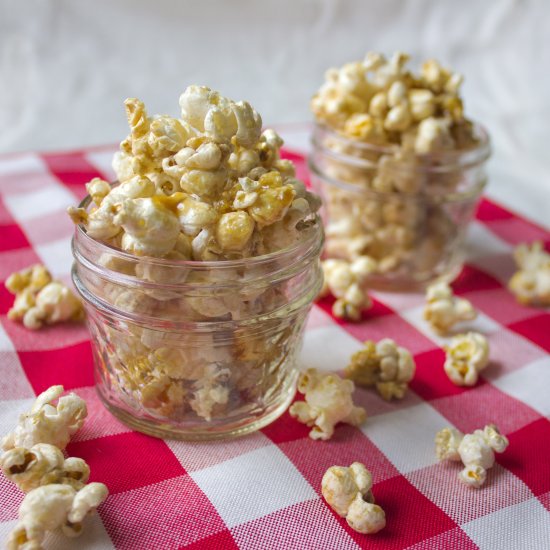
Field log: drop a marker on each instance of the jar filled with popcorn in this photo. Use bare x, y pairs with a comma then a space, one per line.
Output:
399, 167
197, 270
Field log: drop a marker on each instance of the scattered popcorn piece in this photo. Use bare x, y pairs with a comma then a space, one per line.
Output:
48, 423
531, 283
443, 309
52, 506
41, 301
348, 491
43, 464
385, 365
476, 451
346, 281
328, 400
467, 355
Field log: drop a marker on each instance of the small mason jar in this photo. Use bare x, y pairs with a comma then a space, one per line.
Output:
196, 349
406, 211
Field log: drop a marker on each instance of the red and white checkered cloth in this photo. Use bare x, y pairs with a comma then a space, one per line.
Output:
263, 491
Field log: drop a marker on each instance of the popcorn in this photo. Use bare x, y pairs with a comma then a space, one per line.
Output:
52, 506
328, 400
206, 186
384, 365
476, 451
48, 423
466, 356
531, 283
348, 491
346, 281
387, 127
234, 184
443, 310
41, 301
43, 464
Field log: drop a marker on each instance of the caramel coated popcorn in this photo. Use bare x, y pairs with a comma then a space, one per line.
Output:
348, 491
39, 300
531, 283
466, 356
444, 310
476, 451
328, 401
207, 186
210, 178
385, 365
396, 136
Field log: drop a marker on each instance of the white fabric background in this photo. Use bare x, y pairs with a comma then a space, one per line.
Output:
66, 66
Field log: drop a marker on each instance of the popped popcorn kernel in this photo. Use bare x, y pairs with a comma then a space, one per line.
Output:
50, 507
476, 451
47, 422
43, 464
443, 310
348, 491
40, 301
328, 401
347, 283
385, 365
531, 283
466, 356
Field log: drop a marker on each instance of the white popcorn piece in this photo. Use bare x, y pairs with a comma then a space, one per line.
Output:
43, 464
41, 301
434, 134
443, 310
347, 283
211, 392
466, 356
348, 491
51, 507
328, 401
151, 228
531, 283
476, 451
47, 422
385, 365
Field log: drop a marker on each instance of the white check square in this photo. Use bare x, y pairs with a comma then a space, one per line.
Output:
57, 256
253, 485
328, 348
529, 384
481, 242
49, 199
103, 160
524, 526
406, 436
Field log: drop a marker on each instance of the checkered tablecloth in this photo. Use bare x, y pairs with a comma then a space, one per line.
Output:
263, 491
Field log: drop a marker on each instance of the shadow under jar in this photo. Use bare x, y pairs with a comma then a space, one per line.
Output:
197, 350
408, 212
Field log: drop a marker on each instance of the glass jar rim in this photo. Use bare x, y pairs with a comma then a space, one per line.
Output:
311, 239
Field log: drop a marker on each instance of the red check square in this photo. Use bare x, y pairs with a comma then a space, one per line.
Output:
71, 367
118, 460
167, 515
536, 329
11, 237
528, 455
489, 211
483, 405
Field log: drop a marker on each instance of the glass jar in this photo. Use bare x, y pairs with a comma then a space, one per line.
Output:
408, 212
197, 350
